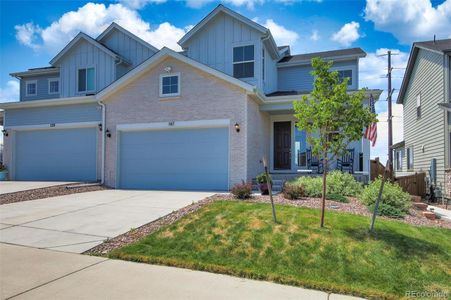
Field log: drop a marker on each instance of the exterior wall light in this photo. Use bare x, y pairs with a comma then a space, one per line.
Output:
168, 69
5, 133
100, 126
108, 133
237, 127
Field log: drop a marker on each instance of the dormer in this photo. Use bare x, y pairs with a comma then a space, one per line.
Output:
235, 45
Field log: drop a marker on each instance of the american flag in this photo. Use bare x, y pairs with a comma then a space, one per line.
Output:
371, 130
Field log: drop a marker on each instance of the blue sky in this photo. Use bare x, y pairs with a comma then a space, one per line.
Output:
32, 32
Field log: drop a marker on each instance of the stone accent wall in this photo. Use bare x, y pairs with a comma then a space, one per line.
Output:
203, 97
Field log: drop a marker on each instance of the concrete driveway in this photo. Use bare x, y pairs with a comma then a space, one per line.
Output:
7, 187
78, 222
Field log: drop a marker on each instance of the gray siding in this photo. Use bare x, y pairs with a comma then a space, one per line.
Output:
298, 78
42, 88
213, 46
84, 55
429, 130
52, 114
270, 82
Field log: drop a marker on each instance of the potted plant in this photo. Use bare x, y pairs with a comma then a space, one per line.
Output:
3, 172
262, 181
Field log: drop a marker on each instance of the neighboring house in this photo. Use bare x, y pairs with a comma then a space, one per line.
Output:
425, 96
116, 109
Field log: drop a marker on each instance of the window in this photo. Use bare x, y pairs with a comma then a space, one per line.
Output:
398, 160
419, 106
169, 85
342, 74
410, 158
243, 61
31, 88
263, 64
54, 86
86, 80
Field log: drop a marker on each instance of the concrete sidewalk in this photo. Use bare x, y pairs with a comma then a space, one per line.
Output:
29, 273
7, 187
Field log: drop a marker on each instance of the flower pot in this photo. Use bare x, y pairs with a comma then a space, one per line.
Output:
3, 175
264, 189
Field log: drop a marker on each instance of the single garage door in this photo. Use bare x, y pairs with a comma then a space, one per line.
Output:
185, 159
56, 154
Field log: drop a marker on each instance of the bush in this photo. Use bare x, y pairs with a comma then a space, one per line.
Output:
392, 196
262, 178
343, 184
242, 190
337, 198
313, 186
293, 191
387, 210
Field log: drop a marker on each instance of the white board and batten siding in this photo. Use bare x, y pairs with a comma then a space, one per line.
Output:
85, 55
428, 131
213, 46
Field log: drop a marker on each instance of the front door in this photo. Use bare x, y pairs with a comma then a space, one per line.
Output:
282, 145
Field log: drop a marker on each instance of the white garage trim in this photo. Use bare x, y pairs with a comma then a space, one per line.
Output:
54, 126
174, 125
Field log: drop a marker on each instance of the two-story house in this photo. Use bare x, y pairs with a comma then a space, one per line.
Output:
425, 96
118, 110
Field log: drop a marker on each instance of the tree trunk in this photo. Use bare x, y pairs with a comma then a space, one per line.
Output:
323, 198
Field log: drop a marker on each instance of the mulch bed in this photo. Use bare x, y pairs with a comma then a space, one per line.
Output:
354, 207
47, 192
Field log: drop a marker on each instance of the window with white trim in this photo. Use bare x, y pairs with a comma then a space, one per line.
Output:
54, 86
419, 105
410, 158
31, 88
86, 80
342, 74
398, 160
170, 85
243, 61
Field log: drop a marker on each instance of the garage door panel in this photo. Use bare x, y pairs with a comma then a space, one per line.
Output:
190, 159
56, 154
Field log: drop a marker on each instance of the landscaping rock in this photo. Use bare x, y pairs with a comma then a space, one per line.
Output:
416, 198
420, 205
429, 214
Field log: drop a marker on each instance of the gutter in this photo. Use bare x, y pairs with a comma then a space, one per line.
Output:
102, 171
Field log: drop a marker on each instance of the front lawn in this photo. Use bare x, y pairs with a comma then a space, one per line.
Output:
239, 238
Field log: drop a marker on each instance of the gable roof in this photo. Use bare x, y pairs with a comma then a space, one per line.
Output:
160, 56
334, 54
87, 38
437, 46
115, 26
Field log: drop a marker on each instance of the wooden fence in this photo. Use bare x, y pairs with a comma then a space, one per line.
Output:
413, 184
377, 169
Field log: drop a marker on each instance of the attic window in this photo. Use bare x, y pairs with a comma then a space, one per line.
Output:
243, 61
342, 74
170, 85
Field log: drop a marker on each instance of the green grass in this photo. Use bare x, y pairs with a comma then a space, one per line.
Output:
239, 238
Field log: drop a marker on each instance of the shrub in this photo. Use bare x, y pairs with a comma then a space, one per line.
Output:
262, 178
392, 196
343, 184
387, 210
313, 186
2, 167
293, 191
242, 190
337, 198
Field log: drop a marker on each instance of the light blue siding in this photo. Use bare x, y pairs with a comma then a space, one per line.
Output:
56, 154
42, 91
53, 115
298, 78
192, 159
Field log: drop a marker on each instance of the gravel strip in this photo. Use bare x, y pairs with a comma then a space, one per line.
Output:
47, 192
354, 207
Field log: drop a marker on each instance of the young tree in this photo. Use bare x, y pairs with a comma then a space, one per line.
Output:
331, 117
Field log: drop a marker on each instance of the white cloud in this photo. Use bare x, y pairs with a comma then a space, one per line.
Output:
373, 69
92, 19
315, 35
138, 4
348, 34
197, 3
410, 20
282, 35
10, 92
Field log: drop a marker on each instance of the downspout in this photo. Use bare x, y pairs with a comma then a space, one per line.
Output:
102, 171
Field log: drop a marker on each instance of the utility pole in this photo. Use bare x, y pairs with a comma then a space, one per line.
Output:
390, 125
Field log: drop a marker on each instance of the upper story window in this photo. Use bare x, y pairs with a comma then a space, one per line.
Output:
342, 74
86, 80
243, 61
419, 106
31, 88
410, 158
54, 86
170, 85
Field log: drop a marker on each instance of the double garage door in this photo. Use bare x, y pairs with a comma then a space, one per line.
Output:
56, 154
175, 159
